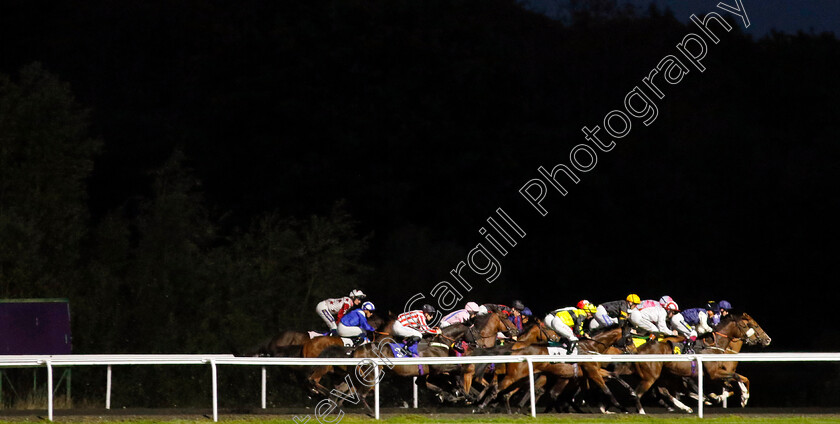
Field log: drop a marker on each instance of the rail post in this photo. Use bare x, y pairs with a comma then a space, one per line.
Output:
531, 384
215, 391
699, 386
414, 382
49, 390
376, 390
108, 388
262, 394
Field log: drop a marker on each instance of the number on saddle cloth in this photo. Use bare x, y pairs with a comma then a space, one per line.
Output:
400, 351
563, 350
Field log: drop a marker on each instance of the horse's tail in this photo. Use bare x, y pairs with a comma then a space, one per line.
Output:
290, 351
253, 351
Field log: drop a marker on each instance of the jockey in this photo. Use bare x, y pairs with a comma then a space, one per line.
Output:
650, 316
614, 312
678, 324
720, 309
676, 320
330, 309
412, 325
699, 318
461, 315
568, 322
495, 307
526, 316
355, 324
516, 314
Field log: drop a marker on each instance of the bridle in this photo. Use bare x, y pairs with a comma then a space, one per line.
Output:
746, 330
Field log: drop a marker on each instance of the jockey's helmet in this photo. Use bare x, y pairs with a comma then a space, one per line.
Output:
664, 300
471, 307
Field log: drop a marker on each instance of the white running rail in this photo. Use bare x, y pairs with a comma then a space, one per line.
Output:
214, 360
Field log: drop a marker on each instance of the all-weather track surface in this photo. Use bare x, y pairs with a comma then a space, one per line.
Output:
420, 415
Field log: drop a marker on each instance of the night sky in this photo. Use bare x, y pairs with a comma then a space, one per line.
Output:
425, 120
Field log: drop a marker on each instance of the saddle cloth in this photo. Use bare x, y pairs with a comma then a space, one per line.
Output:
399, 350
638, 341
553, 350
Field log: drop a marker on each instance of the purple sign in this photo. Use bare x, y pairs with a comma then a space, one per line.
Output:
35, 327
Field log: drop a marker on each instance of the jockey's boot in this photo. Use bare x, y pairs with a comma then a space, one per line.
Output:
408, 342
572, 346
333, 332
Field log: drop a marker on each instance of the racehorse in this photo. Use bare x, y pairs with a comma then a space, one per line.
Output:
437, 346
729, 336
536, 332
517, 372
735, 327
312, 348
448, 338
482, 334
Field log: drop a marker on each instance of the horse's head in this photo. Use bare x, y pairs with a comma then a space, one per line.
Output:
753, 333
376, 322
504, 325
547, 333
742, 326
603, 338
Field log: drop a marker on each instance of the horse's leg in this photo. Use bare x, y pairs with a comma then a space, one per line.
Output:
496, 389
594, 372
539, 389
363, 394
556, 391
744, 385
649, 372
630, 391
489, 387
314, 380
467, 373
667, 396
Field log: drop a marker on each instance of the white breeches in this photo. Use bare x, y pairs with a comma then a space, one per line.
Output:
560, 327
649, 319
325, 315
345, 331
403, 331
602, 319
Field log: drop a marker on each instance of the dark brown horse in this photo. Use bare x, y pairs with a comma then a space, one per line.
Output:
312, 348
537, 332
437, 346
482, 334
448, 338
517, 373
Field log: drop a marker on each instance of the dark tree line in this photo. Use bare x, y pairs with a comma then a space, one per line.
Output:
176, 169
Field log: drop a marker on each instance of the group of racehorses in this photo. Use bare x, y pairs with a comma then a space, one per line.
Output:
569, 385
